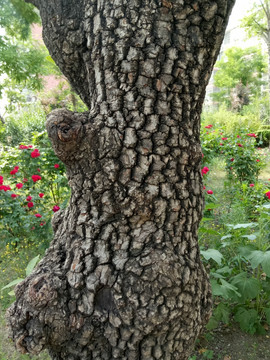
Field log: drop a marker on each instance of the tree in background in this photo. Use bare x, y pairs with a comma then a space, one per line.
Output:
257, 23
22, 62
239, 76
123, 278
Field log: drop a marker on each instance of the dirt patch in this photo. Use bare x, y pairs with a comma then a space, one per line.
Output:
230, 343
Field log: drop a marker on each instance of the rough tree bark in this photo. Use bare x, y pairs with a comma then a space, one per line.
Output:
123, 278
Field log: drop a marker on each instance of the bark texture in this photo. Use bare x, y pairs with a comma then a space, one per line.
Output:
123, 278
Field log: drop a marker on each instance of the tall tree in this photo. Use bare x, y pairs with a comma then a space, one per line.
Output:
239, 70
123, 278
257, 23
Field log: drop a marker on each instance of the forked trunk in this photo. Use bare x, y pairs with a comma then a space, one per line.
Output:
123, 278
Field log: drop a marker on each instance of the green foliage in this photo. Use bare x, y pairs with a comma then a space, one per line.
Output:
22, 61
243, 163
240, 273
16, 17
29, 268
240, 70
256, 22
234, 235
21, 125
33, 182
231, 123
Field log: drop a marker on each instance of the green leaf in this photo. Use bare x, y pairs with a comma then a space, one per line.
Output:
224, 270
225, 289
251, 237
12, 283
247, 319
32, 263
212, 254
222, 313
226, 237
255, 258
245, 251
244, 226
212, 323
209, 231
266, 263
249, 288
267, 315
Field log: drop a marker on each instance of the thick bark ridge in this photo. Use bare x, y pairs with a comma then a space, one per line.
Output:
123, 278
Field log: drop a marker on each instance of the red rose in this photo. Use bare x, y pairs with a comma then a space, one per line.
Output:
5, 187
258, 160
29, 198
19, 185
55, 208
1, 180
251, 185
14, 196
35, 153
240, 145
38, 215
210, 192
41, 195
30, 204
56, 166
224, 138
35, 178
15, 170
204, 170
232, 159
268, 194
252, 135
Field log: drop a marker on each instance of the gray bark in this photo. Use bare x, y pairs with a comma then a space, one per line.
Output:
123, 278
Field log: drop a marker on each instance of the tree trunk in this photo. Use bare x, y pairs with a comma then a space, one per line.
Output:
123, 278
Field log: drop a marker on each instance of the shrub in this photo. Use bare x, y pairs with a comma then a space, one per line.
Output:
232, 123
20, 125
32, 183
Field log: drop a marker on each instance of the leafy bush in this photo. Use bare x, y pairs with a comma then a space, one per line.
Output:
243, 163
239, 263
232, 123
32, 186
20, 126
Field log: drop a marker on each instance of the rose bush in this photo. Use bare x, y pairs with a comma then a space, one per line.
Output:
240, 151
32, 188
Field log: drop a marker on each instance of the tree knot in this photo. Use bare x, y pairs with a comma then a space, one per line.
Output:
65, 130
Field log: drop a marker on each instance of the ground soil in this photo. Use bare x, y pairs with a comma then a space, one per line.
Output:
230, 343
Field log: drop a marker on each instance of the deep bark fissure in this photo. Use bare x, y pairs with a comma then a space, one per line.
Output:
123, 278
